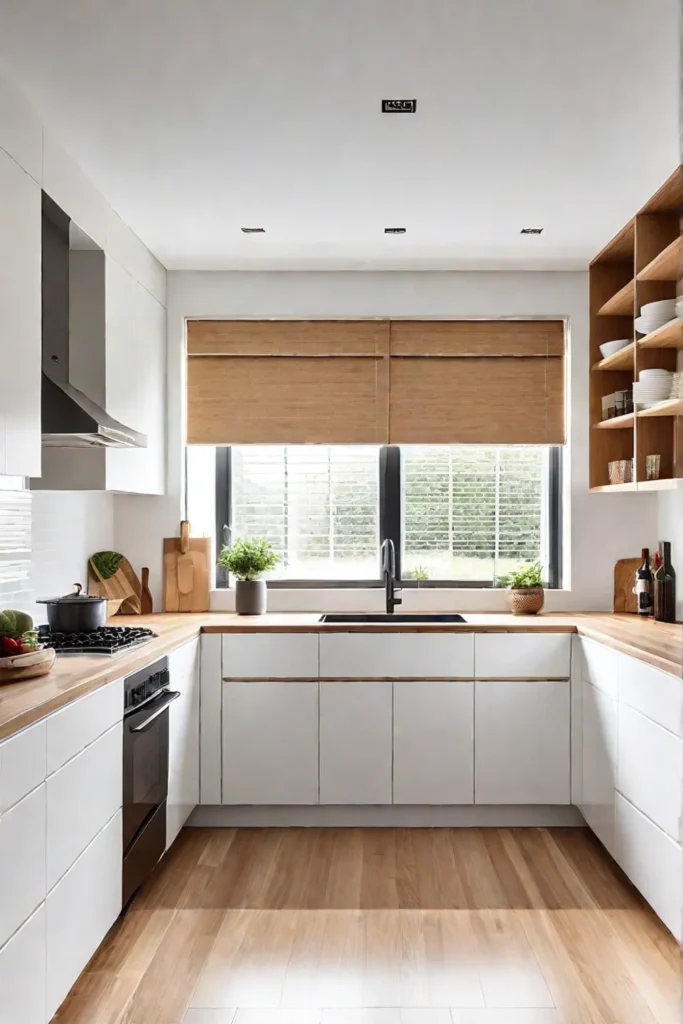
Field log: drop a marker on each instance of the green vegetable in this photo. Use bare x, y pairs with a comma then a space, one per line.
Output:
247, 559
14, 624
529, 575
106, 563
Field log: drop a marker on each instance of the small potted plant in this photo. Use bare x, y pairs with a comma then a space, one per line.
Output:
525, 589
247, 560
419, 574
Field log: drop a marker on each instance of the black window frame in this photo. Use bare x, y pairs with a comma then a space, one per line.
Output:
390, 519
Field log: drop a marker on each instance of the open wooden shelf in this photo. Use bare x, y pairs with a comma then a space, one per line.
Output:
665, 484
668, 336
616, 423
671, 407
666, 266
620, 249
621, 360
614, 487
620, 304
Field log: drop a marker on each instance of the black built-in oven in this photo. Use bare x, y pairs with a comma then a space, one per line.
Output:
145, 772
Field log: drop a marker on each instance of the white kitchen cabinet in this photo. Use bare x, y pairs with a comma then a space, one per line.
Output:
653, 862
650, 769
270, 742
81, 909
270, 656
397, 655
20, 319
522, 655
183, 747
22, 861
657, 695
356, 742
80, 723
599, 666
521, 742
81, 797
22, 974
599, 762
210, 719
22, 764
72, 190
433, 742
21, 131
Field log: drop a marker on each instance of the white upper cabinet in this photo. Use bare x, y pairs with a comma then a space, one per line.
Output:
72, 190
433, 743
356, 743
522, 655
396, 655
20, 319
521, 743
270, 656
183, 740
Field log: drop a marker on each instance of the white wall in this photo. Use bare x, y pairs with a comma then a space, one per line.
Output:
600, 527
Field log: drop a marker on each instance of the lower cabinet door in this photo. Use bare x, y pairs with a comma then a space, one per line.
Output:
22, 974
433, 743
183, 740
599, 761
81, 909
521, 742
355, 742
270, 742
22, 861
653, 862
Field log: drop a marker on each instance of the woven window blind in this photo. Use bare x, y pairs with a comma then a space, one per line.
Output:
375, 381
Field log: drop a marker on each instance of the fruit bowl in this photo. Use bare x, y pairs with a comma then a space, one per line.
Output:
16, 667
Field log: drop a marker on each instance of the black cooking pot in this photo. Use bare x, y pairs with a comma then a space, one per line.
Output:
75, 613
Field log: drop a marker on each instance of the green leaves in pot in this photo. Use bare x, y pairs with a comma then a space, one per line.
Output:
529, 575
248, 559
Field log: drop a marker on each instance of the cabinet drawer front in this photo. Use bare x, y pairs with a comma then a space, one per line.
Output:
650, 772
72, 729
81, 798
22, 974
270, 743
657, 695
22, 764
355, 743
599, 666
183, 662
80, 911
521, 742
599, 766
653, 862
433, 743
523, 655
22, 861
270, 656
397, 655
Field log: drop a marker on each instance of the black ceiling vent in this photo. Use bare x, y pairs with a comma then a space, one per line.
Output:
394, 231
399, 106
253, 231
531, 231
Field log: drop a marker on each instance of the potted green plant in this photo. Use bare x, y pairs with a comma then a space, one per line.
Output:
419, 574
525, 589
247, 559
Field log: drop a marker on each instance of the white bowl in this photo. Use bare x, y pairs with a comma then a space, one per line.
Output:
610, 347
647, 326
655, 374
663, 308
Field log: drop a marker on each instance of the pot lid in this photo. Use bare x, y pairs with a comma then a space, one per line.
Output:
76, 597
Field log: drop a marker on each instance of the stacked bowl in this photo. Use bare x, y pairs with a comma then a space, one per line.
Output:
651, 388
654, 315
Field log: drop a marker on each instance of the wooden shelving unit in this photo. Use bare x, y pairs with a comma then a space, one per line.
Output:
641, 264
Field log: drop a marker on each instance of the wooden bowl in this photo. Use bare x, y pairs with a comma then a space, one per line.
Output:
26, 666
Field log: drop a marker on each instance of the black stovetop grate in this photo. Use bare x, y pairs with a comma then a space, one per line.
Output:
108, 640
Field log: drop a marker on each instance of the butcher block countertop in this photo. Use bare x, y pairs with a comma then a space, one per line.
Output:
21, 704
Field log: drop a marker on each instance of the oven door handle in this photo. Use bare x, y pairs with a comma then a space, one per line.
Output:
171, 695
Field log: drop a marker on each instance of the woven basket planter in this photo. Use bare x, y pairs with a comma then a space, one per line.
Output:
526, 600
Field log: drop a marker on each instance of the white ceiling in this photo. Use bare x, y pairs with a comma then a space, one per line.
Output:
196, 117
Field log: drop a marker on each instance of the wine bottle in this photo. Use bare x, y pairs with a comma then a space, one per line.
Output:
643, 587
665, 586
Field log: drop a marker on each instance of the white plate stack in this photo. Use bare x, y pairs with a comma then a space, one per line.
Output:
651, 388
654, 315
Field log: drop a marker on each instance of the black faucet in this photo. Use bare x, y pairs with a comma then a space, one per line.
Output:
389, 571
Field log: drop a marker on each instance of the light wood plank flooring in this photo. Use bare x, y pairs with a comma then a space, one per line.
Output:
383, 926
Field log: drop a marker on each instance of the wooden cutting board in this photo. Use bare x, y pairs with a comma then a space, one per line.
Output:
624, 580
186, 572
112, 576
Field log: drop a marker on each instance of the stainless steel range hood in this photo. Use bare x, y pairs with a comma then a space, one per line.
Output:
70, 418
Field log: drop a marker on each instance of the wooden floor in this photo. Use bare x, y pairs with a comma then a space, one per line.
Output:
383, 926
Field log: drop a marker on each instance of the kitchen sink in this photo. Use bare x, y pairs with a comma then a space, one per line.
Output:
396, 619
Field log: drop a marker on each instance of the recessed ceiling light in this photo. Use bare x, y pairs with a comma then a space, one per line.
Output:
531, 231
394, 231
399, 106
253, 231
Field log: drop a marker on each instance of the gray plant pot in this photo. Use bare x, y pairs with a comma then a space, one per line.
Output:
251, 597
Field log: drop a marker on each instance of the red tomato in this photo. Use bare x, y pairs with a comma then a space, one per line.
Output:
10, 646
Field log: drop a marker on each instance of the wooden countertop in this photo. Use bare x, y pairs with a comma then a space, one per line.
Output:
21, 704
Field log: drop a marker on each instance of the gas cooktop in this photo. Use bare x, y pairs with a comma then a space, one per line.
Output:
110, 640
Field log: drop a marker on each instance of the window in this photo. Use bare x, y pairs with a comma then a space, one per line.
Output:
464, 514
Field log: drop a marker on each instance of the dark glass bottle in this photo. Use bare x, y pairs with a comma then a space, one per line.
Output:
643, 587
665, 586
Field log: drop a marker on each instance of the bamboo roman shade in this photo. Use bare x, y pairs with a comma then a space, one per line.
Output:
376, 381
